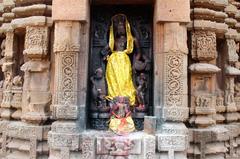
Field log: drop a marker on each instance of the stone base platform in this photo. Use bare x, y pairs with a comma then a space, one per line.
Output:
107, 145
22, 140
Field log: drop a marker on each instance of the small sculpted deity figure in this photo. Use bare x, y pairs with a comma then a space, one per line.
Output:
141, 90
99, 90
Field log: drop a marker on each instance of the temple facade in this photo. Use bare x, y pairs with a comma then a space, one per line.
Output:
53, 68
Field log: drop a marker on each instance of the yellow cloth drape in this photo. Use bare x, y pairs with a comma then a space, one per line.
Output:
121, 126
119, 70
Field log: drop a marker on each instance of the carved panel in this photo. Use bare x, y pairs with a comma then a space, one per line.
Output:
36, 43
88, 148
204, 45
172, 142
118, 146
71, 41
232, 55
66, 93
174, 80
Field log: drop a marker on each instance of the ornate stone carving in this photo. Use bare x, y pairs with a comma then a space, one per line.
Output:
36, 42
70, 42
232, 56
149, 143
174, 80
121, 146
88, 151
204, 46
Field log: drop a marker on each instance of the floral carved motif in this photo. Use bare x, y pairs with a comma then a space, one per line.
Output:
204, 46
36, 42
174, 85
67, 78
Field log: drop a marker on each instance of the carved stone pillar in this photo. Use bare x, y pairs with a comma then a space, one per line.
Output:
230, 73
203, 78
71, 61
170, 74
8, 70
70, 80
36, 92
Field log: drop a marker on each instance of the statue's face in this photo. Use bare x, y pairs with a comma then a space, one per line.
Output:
119, 24
99, 73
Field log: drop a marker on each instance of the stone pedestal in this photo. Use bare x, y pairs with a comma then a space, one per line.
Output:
106, 144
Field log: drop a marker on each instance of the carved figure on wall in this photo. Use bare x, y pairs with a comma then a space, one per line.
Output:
229, 92
141, 90
99, 90
237, 90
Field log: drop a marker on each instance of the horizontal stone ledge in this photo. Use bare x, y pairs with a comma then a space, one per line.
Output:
231, 21
30, 2
33, 10
31, 21
204, 68
208, 14
219, 28
215, 4
232, 71
8, 16
21, 130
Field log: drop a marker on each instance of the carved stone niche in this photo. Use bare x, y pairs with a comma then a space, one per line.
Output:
141, 28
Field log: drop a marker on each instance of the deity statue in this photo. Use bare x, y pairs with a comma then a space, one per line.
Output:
122, 91
119, 84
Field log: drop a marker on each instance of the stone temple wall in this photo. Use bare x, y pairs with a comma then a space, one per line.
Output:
44, 78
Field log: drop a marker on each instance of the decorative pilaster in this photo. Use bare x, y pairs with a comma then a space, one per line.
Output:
203, 75
36, 92
66, 106
170, 75
71, 61
230, 73
8, 70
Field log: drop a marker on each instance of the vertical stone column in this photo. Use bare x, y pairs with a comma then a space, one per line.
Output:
71, 60
170, 64
230, 72
203, 78
36, 92
8, 70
